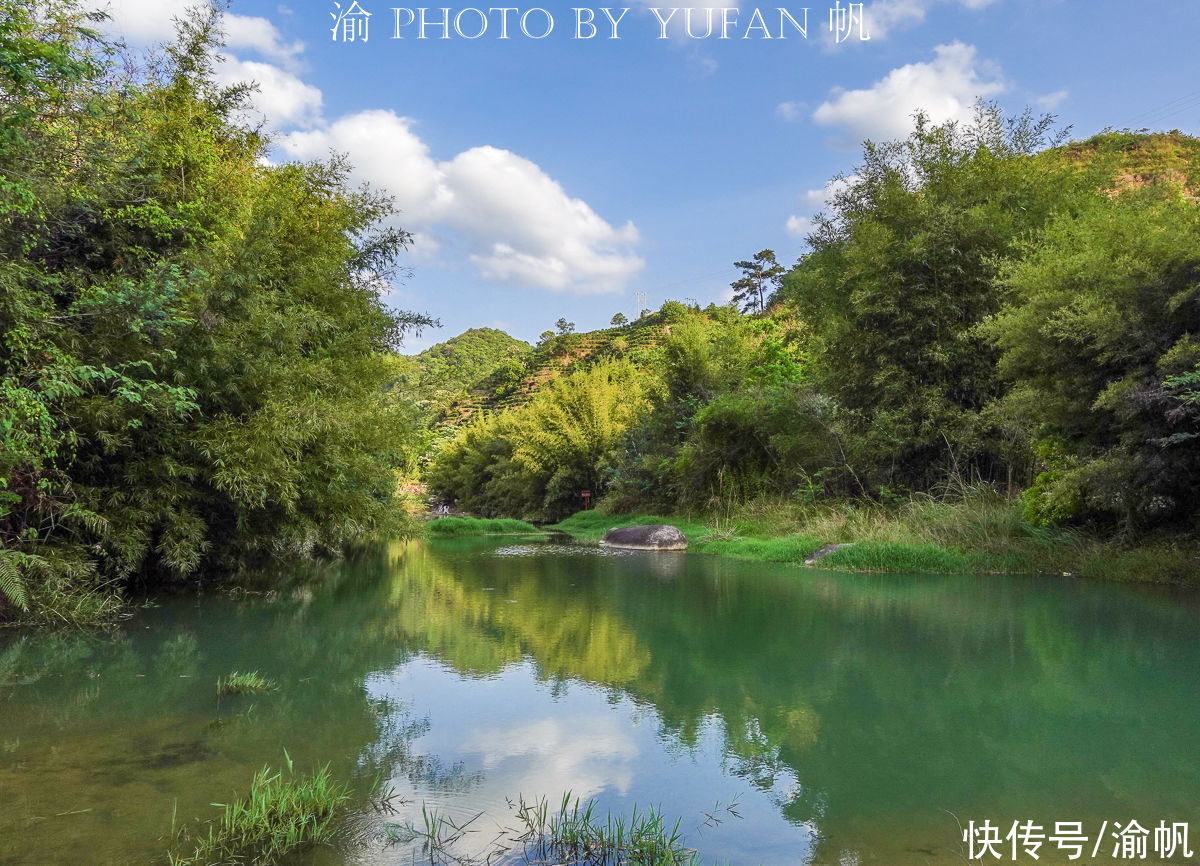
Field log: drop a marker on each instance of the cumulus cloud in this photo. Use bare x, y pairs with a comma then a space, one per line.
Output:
147, 21
282, 100
517, 224
259, 34
946, 88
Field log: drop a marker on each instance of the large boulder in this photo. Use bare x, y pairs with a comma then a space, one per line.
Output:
646, 538
825, 551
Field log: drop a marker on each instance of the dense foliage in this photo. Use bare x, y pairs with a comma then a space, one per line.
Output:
1101, 339
535, 461
193, 351
981, 306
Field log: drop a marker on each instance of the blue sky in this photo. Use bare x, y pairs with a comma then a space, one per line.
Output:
557, 176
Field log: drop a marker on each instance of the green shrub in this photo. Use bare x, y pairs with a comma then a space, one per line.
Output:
899, 558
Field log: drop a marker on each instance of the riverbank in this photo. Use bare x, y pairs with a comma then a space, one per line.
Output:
983, 534
449, 527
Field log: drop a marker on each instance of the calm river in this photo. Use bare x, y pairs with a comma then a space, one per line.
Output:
852, 719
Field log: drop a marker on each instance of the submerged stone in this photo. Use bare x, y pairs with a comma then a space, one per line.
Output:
825, 551
658, 537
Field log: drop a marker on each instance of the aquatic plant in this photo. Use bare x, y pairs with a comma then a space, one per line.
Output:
577, 835
437, 835
278, 817
244, 684
574, 835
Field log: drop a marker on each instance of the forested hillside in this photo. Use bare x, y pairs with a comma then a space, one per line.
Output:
487, 370
194, 357
983, 308
459, 365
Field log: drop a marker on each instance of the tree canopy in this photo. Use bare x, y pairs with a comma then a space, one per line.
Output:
194, 353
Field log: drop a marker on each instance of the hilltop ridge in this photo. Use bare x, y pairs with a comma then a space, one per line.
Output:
505, 373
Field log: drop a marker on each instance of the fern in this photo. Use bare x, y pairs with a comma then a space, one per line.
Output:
12, 583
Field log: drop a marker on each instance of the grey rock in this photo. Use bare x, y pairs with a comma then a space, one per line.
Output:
646, 538
825, 551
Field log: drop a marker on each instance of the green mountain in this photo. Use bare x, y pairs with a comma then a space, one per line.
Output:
454, 391
462, 363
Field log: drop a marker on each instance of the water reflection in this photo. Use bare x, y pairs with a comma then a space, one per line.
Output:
870, 707
851, 715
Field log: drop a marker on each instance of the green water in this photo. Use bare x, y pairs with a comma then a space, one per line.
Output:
854, 719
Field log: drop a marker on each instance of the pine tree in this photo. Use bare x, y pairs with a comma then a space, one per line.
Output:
761, 278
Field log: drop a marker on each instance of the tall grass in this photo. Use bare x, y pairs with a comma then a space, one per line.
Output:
897, 557
452, 526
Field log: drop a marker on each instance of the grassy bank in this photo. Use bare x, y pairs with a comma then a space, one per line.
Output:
978, 534
455, 526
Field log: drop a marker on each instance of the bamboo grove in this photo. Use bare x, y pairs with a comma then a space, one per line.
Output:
193, 351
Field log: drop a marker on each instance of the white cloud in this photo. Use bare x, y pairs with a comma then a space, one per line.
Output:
799, 226
518, 224
946, 88
1051, 101
259, 34
384, 151
817, 200
282, 100
790, 111
147, 21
